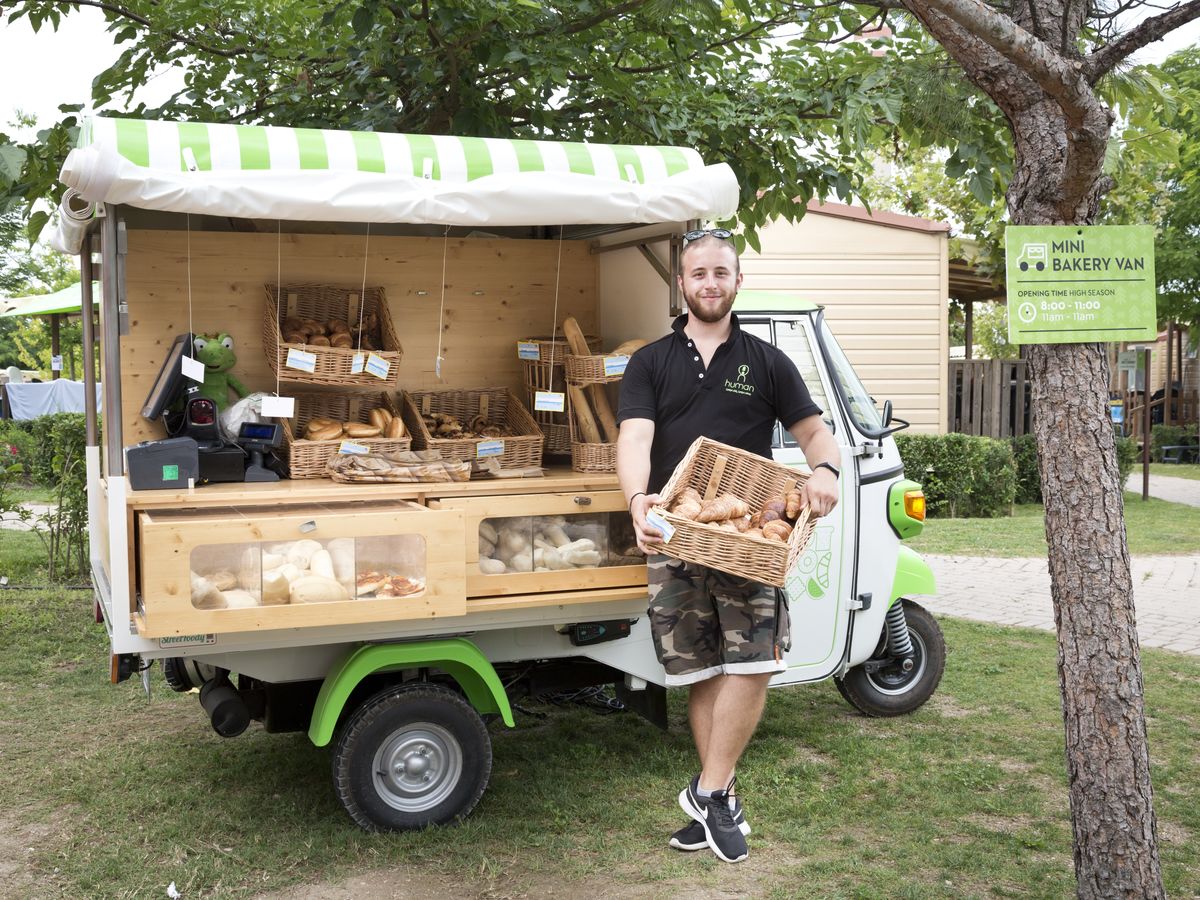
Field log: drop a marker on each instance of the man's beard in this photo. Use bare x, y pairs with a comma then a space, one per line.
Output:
709, 313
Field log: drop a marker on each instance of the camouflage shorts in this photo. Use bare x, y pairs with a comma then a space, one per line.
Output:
708, 623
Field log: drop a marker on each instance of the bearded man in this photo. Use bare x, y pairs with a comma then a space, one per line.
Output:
721, 635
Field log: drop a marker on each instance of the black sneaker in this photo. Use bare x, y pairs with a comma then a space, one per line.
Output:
692, 837
716, 815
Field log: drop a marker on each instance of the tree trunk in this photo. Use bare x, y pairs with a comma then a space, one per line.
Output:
1099, 667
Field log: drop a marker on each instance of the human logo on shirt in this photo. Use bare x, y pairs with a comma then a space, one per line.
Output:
740, 386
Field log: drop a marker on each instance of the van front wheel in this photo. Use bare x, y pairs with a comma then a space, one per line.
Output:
881, 687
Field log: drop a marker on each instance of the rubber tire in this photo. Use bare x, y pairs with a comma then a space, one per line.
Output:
176, 676
858, 690
370, 727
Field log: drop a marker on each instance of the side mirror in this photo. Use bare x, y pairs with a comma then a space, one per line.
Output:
887, 413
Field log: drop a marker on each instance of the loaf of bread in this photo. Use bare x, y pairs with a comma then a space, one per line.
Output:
317, 589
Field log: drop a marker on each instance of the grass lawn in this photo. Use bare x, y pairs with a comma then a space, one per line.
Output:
1183, 470
32, 494
108, 794
1155, 527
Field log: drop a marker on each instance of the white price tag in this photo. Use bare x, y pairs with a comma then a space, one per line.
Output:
302, 360
615, 365
352, 447
193, 368
549, 401
357, 363
654, 520
528, 350
489, 448
279, 407
56, 364
378, 366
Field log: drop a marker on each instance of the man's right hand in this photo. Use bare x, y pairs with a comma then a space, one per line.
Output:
648, 537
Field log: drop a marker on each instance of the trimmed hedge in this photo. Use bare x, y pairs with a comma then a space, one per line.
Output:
963, 476
44, 442
1168, 435
978, 477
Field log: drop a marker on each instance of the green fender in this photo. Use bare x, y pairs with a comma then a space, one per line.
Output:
459, 658
913, 576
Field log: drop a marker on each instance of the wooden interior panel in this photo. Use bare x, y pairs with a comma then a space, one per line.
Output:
497, 291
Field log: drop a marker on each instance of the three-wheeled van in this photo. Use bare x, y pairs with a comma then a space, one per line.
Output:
397, 634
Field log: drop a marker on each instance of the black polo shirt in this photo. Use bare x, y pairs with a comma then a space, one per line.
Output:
747, 386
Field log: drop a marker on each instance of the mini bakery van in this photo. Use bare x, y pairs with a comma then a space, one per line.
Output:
354, 279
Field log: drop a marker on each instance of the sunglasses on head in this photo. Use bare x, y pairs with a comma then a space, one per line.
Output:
723, 234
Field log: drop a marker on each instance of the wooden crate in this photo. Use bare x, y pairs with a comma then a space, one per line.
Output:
713, 468
167, 540
521, 450
617, 571
307, 459
334, 365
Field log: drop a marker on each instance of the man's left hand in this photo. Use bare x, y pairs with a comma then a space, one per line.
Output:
820, 492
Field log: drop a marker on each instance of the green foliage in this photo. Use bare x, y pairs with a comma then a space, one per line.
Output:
65, 526
990, 331
1167, 436
961, 475
1127, 455
1029, 479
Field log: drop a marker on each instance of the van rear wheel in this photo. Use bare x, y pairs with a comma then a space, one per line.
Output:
412, 756
888, 690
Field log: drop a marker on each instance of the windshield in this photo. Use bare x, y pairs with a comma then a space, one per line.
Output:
861, 408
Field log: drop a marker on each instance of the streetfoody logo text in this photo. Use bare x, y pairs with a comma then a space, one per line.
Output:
740, 386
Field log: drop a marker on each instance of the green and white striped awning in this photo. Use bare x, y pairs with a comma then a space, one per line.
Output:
252, 171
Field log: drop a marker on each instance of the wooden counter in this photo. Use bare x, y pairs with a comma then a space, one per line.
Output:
323, 490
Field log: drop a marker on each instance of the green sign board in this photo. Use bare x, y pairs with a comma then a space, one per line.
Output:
1077, 283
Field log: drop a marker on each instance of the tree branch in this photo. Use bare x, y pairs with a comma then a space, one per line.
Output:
1102, 61
1053, 74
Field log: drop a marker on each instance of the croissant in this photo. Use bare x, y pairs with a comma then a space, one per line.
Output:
754, 533
726, 506
690, 494
686, 508
776, 504
794, 504
777, 531
742, 524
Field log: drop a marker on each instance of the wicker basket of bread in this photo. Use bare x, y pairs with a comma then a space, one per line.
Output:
326, 424
736, 512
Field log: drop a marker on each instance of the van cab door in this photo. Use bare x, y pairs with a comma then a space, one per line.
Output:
820, 586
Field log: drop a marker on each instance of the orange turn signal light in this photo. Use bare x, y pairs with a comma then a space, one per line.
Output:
914, 505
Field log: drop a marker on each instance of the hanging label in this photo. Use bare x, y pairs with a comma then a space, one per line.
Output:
56, 364
279, 407
654, 520
353, 448
193, 368
489, 448
302, 360
378, 366
615, 365
357, 363
549, 401
527, 350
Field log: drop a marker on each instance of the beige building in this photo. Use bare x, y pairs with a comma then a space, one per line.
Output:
883, 279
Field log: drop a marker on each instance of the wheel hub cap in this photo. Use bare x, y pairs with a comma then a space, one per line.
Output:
417, 767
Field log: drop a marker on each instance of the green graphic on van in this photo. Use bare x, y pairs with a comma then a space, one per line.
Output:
811, 574
740, 386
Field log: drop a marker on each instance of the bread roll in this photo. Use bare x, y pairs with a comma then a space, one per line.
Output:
328, 433
300, 553
359, 430
322, 564
342, 340
395, 428
319, 340
239, 599
376, 418
488, 530
205, 594
489, 566
295, 337
317, 589
275, 588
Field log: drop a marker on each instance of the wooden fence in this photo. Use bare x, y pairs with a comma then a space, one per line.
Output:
989, 397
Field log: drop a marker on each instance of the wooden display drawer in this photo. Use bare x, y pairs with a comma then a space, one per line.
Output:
240, 569
534, 543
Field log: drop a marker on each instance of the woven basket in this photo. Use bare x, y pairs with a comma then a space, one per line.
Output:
323, 302
548, 373
714, 468
500, 405
307, 459
586, 457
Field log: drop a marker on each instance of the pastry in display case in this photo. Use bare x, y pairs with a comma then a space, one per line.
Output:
556, 543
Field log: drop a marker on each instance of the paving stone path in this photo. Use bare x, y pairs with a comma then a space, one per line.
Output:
1166, 592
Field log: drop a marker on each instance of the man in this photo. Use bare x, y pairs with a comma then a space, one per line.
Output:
722, 636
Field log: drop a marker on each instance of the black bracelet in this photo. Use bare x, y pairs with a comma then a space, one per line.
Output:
634, 497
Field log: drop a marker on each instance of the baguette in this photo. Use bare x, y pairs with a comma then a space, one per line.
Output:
629, 347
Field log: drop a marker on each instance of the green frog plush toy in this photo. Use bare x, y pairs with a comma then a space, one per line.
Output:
216, 352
